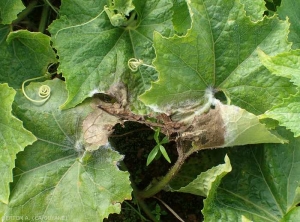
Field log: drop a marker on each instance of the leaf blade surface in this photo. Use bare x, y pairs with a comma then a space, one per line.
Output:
70, 181
219, 51
97, 55
262, 186
14, 138
24, 55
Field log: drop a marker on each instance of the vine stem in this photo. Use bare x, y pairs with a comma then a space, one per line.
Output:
168, 177
53, 8
163, 182
44, 18
140, 200
25, 12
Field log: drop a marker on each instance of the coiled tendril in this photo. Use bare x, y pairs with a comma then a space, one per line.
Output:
134, 64
44, 91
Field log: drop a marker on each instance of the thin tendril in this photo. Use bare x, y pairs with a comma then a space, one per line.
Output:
134, 64
51, 6
44, 91
75, 26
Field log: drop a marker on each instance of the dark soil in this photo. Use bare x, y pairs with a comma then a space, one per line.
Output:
135, 141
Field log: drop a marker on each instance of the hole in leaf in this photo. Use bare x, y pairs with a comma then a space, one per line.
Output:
104, 97
220, 95
132, 20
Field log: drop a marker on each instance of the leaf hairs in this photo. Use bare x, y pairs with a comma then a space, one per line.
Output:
134, 64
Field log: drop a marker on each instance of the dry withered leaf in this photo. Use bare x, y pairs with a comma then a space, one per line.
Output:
227, 125
97, 127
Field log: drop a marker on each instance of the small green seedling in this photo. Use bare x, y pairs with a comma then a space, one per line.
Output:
158, 149
158, 212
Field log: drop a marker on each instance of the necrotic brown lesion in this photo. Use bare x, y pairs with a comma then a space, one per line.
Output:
207, 130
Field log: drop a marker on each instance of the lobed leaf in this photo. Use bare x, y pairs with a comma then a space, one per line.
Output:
285, 64
96, 55
67, 185
9, 10
287, 114
263, 185
289, 9
181, 17
196, 164
24, 55
255, 9
219, 51
14, 138
204, 182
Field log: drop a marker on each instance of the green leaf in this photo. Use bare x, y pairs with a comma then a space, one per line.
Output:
255, 9
204, 182
14, 138
181, 17
66, 184
290, 9
96, 57
263, 185
293, 215
24, 55
287, 114
9, 10
285, 64
164, 140
118, 10
196, 164
2, 210
152, 154
164, 153
219, 51
122, 6
244, 128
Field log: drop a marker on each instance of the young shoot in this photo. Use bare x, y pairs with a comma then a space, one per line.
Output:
158, 149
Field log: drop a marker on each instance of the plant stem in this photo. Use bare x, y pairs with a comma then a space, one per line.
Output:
53, 8
25, 12
144, 206
182, 155
139, 213
44, 18
140, 200
166, 179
